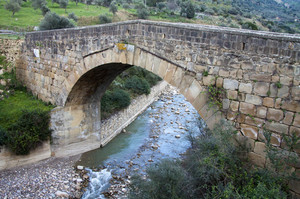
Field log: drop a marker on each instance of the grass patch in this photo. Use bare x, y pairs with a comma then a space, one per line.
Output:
13, 107
27, 17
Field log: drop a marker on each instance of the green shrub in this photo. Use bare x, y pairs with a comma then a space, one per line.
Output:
249, 25
165, 180
152, 79
137, 85
29, 131
113, 101
210, 169
3, 136
73, 16
104, 19
53, 21
142, 13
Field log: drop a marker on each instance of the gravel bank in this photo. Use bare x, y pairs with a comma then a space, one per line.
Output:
51, 178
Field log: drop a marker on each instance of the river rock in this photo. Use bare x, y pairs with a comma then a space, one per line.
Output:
177, 136
62, 194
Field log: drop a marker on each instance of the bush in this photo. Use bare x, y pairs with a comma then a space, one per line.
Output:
73, 16
53, 21
210, 169
166, 180
142, 13
249, 25
125, 6
45, 9
29, 131
3, 136
104, 19
113, 8
113, 101
137, 85
152, 79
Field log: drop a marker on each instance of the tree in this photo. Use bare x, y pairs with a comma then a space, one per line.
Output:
88, 2
76, 1
53, 21
64, 4
73, 16
187, 9
12, 6
38, 4
190, 10
104, 19
45, 9
113, 8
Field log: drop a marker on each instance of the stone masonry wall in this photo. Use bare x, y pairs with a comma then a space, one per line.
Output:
259, 71
112, 126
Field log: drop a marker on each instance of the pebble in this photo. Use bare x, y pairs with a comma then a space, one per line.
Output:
51, 178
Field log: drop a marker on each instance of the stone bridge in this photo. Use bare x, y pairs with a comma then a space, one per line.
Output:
259, 71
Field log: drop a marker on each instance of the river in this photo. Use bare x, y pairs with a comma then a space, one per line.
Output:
159, 132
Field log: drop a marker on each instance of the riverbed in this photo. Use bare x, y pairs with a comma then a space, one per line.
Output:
161, 131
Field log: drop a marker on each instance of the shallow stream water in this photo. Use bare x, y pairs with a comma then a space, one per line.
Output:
159, 132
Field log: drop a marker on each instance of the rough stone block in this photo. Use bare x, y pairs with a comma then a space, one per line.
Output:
297, 120
232, 94
209, 80
241, 97
230, 84
254, 121
261, 88
277, 127
268, 102
295, 130
223, 73
245, 87
274, 114
261, 112
249, 131
234, 106
275, 139
193, 91
283, 92
296, 92
219, 82
247, 108
239, 74
285, 80
277, 103
253, 99
257, 159
273, 90
225, 103
170, 73
178, 75
288, 118
231, 115
247, 65
260, 77
260, 148
275, 78
290, 105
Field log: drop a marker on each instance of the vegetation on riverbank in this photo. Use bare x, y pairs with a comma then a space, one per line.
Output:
128, 85
24, 120
212, 169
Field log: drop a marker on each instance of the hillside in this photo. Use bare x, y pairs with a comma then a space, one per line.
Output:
268, 15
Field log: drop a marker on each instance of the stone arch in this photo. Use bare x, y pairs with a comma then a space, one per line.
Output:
109, 63
88, 81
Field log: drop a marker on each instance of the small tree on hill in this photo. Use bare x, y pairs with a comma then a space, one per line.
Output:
76, 1
54, 21
113, 8
38, 4
45, 9
64, 4
12, 6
